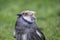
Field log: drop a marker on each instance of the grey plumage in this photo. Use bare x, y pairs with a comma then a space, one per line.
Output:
26, 31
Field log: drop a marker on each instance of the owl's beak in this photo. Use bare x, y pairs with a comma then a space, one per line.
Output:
34, 16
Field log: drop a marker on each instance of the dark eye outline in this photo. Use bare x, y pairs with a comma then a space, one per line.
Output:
26, 14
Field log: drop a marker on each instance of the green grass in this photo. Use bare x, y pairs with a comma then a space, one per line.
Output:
47, 13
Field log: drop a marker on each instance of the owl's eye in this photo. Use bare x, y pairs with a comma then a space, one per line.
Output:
33, 14
26, 14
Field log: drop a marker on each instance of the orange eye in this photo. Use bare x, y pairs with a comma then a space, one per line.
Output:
26, 14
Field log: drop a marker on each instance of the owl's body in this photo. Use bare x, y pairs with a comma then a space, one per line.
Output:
25, 30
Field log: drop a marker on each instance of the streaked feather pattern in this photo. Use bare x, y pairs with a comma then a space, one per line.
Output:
25, 30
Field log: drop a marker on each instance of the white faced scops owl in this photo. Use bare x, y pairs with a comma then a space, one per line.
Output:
26, 28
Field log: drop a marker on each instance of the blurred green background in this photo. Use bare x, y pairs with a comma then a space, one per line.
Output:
47, 13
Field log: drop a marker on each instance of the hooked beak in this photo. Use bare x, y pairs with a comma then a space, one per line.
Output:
34, 16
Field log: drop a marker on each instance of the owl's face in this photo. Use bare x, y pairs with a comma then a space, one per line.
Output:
29, 16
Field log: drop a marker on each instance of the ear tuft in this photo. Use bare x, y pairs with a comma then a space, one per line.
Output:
19, 15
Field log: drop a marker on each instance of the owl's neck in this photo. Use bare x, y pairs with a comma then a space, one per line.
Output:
27, 21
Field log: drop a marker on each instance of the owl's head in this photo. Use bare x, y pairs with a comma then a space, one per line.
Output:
28, 16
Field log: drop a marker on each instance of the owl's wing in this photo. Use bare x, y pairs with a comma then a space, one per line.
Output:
40, 34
